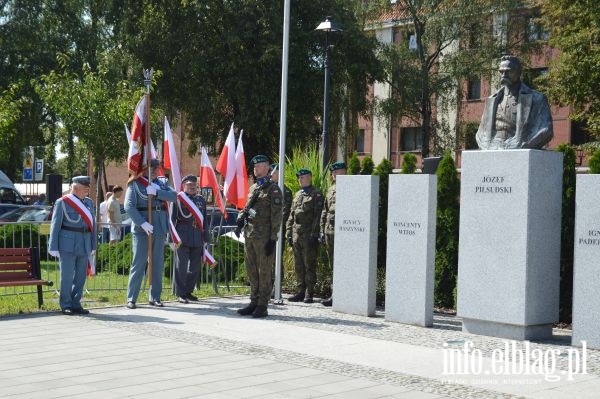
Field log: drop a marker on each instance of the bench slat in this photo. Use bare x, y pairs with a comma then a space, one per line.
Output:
24, 282
15, 251
15, 266
8, 276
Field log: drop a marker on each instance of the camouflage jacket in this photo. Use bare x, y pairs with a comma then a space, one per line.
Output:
328, 214
305, 214
264, 217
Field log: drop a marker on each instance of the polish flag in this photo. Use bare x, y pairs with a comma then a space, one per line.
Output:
209, 179
226, 166
127, 133
135, 158
170, 157
241, 174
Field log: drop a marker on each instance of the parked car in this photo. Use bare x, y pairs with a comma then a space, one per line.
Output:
28, 213
8, 192
4, 208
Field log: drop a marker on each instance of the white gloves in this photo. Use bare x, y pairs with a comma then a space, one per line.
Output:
151, 189
53, 253
148, 228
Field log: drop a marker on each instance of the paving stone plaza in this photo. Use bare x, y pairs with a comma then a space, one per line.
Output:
205, 350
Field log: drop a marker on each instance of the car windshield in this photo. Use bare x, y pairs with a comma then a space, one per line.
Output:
34, 215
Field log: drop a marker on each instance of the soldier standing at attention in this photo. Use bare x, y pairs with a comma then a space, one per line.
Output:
136, 206
328, 217
302, 232
261, 220
72, 241
189, 216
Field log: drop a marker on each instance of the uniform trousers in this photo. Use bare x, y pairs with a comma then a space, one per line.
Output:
187, 269
259, 268
139, 263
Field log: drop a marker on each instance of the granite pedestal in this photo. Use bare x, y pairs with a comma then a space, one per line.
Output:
410, 269
355, 251
586, 273
509, 249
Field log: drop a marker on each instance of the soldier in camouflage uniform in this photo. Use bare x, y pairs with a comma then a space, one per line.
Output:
328, 216
261, 219
302, 233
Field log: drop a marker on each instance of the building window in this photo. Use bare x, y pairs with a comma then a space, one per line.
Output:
360, 141
411, 139
412, 42
474, 89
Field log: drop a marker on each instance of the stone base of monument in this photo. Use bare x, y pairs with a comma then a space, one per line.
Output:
509, 248
355, 250
410, 269
586, 301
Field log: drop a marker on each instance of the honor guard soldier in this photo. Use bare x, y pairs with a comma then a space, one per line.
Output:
261, 220
72, 241
328, 217
302, 232
188, 216
136, 206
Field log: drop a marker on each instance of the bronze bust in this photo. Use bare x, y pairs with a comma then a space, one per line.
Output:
516, 116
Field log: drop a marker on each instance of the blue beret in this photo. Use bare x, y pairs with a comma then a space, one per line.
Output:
302, 172
83, 180
190, 178
259, 159
337, 166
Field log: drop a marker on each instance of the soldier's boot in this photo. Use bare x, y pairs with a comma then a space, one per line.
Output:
308, 298
327, 302
248, 310
260, 311
299, 297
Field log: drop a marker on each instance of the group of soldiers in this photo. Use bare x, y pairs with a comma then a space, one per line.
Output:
309, 220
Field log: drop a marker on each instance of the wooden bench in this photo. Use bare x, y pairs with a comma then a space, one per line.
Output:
21, 267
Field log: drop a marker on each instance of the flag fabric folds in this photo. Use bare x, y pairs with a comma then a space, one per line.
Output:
208, 178
226, 166
241, 174
136, 159
170, 156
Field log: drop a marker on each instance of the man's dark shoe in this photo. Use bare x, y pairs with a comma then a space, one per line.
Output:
68, 311
81, 311
299, 297
182, 300
131, 305
327, 302
158, 304
191, 297
260, 311
308, 299
248, 310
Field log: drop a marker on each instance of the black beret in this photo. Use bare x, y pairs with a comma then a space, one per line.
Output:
259, 159
302, 172
189, 178
337, 166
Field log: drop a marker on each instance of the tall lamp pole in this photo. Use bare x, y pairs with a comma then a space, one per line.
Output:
326, 26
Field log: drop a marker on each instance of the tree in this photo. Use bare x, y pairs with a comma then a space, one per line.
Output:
354, 164
367, 166
573, 77
444, 43
409, 163
383, 170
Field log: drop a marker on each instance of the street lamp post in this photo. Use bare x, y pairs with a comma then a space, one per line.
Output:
326, 26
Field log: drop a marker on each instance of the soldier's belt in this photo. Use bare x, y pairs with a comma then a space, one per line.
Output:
191, 223
76, 229
154, 208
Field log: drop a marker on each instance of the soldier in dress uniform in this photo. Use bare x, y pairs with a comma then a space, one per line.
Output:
302, 233
261, 219
136, 206
72, 241
328, 216
194, 238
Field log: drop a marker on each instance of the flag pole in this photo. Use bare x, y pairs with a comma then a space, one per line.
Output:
147, 80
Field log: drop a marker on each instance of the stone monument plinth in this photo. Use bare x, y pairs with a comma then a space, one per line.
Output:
355, 251
509, 249
410, 269
586, 301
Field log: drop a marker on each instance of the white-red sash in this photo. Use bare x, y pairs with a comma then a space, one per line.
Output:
86, 215
189, 204
208, 258
174, 235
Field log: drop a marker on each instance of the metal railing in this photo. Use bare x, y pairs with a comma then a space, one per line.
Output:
113, 260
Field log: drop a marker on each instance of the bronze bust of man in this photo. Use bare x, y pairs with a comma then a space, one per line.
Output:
516, 116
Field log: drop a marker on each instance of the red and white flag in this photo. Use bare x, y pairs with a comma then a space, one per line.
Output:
227, 167
208, 178
209, 259
170, 156
241, 174
127, 133
135, 158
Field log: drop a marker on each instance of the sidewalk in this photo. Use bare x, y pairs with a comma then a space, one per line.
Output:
205, 350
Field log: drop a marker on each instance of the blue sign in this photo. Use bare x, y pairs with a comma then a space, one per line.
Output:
27, 174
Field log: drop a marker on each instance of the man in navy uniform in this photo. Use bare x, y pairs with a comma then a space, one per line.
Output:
302, 232
72, 241
262, 220
189, 223
136, 206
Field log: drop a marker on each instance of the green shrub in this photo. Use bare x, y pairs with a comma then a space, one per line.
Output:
567, 233
383, 170
353, 165
230, 255
446, 240
367, 166
594, 162
23, 235
409, 164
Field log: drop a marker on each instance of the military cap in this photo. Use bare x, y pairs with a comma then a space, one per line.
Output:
83, 180
337, 166
154, 163
273, 166
189, 179
259, 159
302, 172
